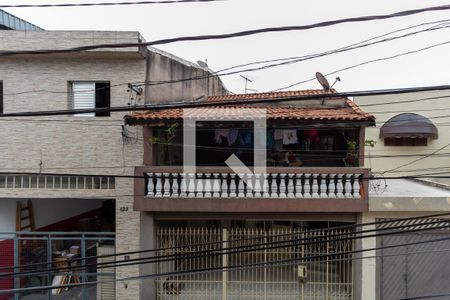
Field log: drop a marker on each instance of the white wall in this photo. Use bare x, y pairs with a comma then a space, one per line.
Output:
439, 107
46, 211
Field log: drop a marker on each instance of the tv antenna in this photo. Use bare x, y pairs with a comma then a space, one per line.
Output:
247, 80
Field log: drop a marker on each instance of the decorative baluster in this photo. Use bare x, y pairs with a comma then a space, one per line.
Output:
282, 186
200, 185
265, 185
257, 186
273, 186
166, 185
323, 186
241, 188
224, 190
250, 185
233, 185
290, 186
339, 187
307, 186
315, 186
216, 185
347, 187
356, 186
183, 185
191, 185
332, 186
158, 185
298, 186
175, 186
150, 185
208, 186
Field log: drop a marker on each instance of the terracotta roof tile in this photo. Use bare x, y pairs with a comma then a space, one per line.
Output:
351, 112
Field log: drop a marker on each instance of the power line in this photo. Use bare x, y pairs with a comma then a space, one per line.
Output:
254, 247
416, 160
365, 63
333, 51
287, 61
234, 34
102, 3
426, 297
307, 259
378, 223
243, 100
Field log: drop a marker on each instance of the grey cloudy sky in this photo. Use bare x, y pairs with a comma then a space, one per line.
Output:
429, 67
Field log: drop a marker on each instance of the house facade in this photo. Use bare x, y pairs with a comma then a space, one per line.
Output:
91, 147
411, 139
203, 187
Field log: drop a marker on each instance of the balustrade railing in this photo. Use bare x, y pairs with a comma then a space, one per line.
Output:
284, 183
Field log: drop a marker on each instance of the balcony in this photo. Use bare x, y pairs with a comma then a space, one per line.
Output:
288, 189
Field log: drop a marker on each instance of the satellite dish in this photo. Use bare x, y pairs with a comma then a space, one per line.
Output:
323, 81
202, 64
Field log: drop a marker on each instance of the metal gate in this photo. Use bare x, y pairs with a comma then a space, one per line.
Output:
414, 270
311, 267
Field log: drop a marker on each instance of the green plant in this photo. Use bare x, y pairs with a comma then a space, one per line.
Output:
165, 141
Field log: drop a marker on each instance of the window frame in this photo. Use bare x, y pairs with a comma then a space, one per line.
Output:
104, 85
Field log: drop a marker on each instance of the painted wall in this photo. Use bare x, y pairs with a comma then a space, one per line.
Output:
84, 145
436, 110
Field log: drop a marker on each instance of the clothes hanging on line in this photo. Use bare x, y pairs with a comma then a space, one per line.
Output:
232, 136
278, 134
290, 136
219, 134
312, 135
245, 139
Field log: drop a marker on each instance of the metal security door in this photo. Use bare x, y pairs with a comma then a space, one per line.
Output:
277, 263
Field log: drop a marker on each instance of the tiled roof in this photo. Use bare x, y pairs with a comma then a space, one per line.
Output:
269, 95
350, 112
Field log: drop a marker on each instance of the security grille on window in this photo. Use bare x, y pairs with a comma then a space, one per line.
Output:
89, 95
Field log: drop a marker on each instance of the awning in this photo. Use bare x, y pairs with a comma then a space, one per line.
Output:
408, 125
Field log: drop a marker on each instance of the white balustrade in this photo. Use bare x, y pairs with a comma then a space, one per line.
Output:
150, 185
323, 187
216, 185
315, 187
273, 185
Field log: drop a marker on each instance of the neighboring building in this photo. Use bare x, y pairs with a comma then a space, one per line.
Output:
313, 149
412, 138
93, 145
11, 22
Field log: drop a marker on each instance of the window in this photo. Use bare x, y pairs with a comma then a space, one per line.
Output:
406, 141
1, 97
85, 95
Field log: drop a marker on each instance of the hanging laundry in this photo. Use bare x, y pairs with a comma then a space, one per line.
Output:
312, 135
219, 134
245, 139
278, 134
232, 136
290, 136
270, 139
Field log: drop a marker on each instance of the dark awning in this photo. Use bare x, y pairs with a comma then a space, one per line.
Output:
409, 125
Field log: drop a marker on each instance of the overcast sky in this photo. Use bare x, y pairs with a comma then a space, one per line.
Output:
431, 67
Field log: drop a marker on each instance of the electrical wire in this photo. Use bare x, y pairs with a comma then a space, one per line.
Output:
102, 3
378, 223
234, 34
307, 259
252, 247
232, 102
365, 63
